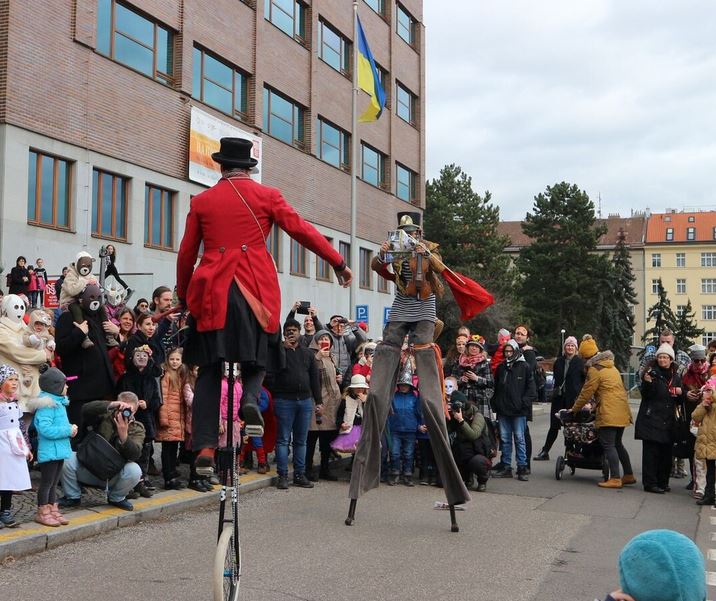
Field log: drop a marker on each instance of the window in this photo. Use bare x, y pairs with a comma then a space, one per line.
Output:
158, 217
405, 104
405, 183
680, 310
669, 234
377, 5
681, 286
298, 259
283, 118
708, 259
681, 259
366, 274
384, 80
691, 233
708, 312
334, 49
655, 286
344, 249
109, 205
708, 286
49, 191
406, 25
691, 219
289, 16
333, 145
135, 41
714, 233
323, 268
656, 259
219, 85
372, 166
273, 244
708, 337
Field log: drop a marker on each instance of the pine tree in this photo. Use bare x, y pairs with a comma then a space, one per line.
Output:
563, 275
686, 332
661, 315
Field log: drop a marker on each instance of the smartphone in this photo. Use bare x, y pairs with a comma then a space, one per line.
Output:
304, 307
325, 345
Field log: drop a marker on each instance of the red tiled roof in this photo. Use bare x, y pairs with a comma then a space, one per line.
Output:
704, 222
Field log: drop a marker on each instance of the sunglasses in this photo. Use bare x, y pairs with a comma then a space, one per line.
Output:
699, 360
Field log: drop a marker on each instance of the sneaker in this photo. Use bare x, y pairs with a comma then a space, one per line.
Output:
263, 468
204, 464
392, 480
522, 473
7, 520
505, 472
66, 502
408, 481
199, 485
282, 483
207, 484
498, 467
302, 482
214, 479
174, 484
481, 487
149, 484
123, 504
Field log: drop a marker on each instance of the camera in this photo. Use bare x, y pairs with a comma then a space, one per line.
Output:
653, 373
456, 406
125, 413
304, 307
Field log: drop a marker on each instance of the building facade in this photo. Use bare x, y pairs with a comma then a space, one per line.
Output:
96, 101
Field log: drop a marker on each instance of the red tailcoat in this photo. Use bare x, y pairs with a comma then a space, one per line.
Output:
235, 250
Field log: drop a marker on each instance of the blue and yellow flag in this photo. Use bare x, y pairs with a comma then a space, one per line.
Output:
368, 79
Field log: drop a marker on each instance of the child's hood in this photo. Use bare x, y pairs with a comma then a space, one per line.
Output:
45, 399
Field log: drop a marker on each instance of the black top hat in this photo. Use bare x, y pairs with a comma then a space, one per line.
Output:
409, 220
235, 152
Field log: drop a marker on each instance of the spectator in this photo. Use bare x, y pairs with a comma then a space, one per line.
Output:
261, 444
19, 278
111, 270
514, 394
452, 357
705, 415
323, 426
661, 390
126, 330
695, 377
364, 365
497, 356
522, 337
296, 390
41, 274
345, 343
114, 421
665, 337
463, 331
404, 420
467, 428
349, 417
33, 287
604, 384
569, 374
162, 298
60, 281
196, 482
311, 323
142, 306
712, 364
171, 419
474, 376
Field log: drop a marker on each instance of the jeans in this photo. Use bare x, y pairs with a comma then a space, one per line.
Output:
402, 451
74, 475
513, 427
610, 437
293, 417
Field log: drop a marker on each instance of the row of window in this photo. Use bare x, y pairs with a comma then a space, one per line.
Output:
708, 312
406, 25
708, 286
708, 337
690, 233
299, 261
49, 202
708, 259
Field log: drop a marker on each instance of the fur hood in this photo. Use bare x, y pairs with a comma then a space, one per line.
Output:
598, 358
45, 400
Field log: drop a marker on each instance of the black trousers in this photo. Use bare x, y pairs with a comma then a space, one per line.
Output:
611, 440
656, 463
169, 459
49, 477
478, 465
324, 439
427, 459
710, 479
5, 500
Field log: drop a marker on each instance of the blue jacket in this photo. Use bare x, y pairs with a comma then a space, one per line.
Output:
405, 415
53, 427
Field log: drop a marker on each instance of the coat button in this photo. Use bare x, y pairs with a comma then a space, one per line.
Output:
244, 247
221, 249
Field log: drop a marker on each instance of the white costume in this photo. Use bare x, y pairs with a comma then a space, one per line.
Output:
14, 474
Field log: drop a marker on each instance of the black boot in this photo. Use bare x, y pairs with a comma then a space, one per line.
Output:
541, 456
325, 473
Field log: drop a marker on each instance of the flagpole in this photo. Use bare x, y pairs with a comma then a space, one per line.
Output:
355, 267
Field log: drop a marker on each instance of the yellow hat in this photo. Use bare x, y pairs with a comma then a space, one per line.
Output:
588, 347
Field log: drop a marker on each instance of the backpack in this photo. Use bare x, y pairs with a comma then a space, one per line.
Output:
487, 443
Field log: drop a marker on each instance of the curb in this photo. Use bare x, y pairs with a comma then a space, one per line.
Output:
30, 538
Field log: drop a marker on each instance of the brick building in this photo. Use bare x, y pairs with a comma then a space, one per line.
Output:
96, 101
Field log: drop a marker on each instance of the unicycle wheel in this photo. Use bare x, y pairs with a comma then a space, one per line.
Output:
227, 567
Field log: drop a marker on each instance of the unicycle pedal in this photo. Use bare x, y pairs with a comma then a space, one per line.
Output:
254, 430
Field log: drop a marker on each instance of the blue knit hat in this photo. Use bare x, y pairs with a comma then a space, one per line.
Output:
662, 565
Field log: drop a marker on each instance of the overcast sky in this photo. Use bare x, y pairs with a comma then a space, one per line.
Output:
616, 96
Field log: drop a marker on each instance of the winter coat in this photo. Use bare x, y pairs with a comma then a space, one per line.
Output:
706, 437
146, 386
73, 285
97, 415
344, 347
481, 391
515, 389
25, 360
330, 391
17, 284
405, 414
604, 384
41, 274
224, 411
567, 386
655, 420
693, 380
90, 367
53, 427
171, 415
349, 411
465, 437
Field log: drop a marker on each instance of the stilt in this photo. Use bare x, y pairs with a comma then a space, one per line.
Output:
453, 520
351, 512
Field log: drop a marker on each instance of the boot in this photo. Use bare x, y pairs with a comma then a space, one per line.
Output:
44, 516
263, 468
706, 500
611, 483
251, 414
408, 481
58, 516
523, 472
325, 473
541, 456
505, 472
392, 480
628, 479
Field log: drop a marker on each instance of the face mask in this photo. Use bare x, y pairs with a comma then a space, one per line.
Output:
140, 359
84, 266
449, 387
90, 299
14, 308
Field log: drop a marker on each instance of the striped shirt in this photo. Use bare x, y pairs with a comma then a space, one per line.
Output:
411, 308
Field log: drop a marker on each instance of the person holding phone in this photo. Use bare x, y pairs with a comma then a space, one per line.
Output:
474, 375
311, 323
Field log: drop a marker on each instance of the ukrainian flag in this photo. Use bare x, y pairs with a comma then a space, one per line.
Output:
368, 80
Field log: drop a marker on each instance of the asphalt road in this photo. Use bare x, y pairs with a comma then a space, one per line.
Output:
538, 540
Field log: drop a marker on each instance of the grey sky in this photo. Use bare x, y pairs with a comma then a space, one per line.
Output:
617, 96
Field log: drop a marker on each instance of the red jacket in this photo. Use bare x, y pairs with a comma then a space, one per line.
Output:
235, 250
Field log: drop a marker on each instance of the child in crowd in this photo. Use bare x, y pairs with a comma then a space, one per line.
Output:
41, 274
14, 450
705, 416
224, 407
364, 365
405, 420
53, 443
32, 286
349, 416
196, 482
171, 419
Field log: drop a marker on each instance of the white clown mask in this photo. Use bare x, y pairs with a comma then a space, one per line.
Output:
13, 307
449, 386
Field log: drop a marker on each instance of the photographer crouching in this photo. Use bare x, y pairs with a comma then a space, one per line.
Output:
469, 440
107, 454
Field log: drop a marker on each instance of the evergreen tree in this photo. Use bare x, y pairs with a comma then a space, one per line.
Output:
465, 224
686, 332
563, 275
662, 316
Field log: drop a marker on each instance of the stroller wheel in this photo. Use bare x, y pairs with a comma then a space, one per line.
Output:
559, 467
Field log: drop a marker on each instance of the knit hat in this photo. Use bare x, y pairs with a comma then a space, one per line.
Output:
477, 340
662, 565
458, 396
697, 351
570, 340
52, 380
6, 371
666, 349
588, 347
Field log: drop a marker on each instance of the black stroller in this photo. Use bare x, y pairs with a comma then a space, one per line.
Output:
582, 448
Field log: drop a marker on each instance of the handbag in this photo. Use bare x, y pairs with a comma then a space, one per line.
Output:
683, 440
99, 457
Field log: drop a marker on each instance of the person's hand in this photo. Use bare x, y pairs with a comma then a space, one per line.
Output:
422, 249
423, 428
142, 404
319, 409
344, 426
24, 279
312, 311
49, 355
345, 277
29, 456
122, 426
471, 376
647, 378
463, 378
83, 326
92, 281
457, 414
693, 395
339, 378
74, 431
296, 305
110, 328
678, 391
384, 249
222, 428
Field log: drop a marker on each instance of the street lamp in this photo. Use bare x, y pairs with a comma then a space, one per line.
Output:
562, 331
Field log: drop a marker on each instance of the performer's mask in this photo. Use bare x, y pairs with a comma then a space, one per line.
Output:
90, 299
13, 307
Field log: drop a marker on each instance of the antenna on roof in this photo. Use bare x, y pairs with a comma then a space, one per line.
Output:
599, 211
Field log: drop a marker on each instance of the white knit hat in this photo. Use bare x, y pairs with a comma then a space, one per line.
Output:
666, 349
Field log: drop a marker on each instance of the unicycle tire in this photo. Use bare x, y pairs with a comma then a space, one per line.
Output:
227, 567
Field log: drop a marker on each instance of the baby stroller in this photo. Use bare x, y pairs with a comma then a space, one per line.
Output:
582, 448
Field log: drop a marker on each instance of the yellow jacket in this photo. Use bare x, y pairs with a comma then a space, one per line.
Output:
604, 384
706, 437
